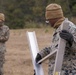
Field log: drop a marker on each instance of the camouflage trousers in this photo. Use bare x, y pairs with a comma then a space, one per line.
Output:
68, 66
2, 59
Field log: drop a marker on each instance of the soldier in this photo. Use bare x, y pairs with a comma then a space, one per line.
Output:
4, 35
54, 15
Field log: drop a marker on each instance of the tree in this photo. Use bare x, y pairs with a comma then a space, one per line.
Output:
18, 12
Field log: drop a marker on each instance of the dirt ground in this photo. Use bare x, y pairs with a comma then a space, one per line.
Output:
18, 57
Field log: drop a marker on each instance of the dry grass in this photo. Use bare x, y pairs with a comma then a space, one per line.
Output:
18, 58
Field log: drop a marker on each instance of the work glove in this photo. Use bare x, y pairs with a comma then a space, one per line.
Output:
38, 57
67, 36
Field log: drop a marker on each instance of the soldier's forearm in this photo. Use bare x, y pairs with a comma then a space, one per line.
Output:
3, 39
45, 51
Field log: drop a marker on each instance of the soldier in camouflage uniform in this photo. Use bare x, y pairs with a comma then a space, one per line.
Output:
54, 15
4, 35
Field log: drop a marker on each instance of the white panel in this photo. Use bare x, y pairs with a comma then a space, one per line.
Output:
34, 50
61, 49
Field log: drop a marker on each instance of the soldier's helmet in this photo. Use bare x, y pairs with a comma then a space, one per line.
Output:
53, 11
2, 17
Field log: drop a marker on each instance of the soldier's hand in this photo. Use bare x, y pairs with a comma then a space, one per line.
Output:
38, 57
67, 36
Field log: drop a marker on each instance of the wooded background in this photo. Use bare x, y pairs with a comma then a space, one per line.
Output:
31, 13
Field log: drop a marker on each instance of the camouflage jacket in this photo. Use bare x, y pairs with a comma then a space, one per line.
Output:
4, 35
69, 61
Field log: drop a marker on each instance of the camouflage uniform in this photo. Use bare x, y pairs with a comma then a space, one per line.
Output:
69, 61
4, 35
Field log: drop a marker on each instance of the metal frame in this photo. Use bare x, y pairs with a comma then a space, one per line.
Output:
59, 52
34, 50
